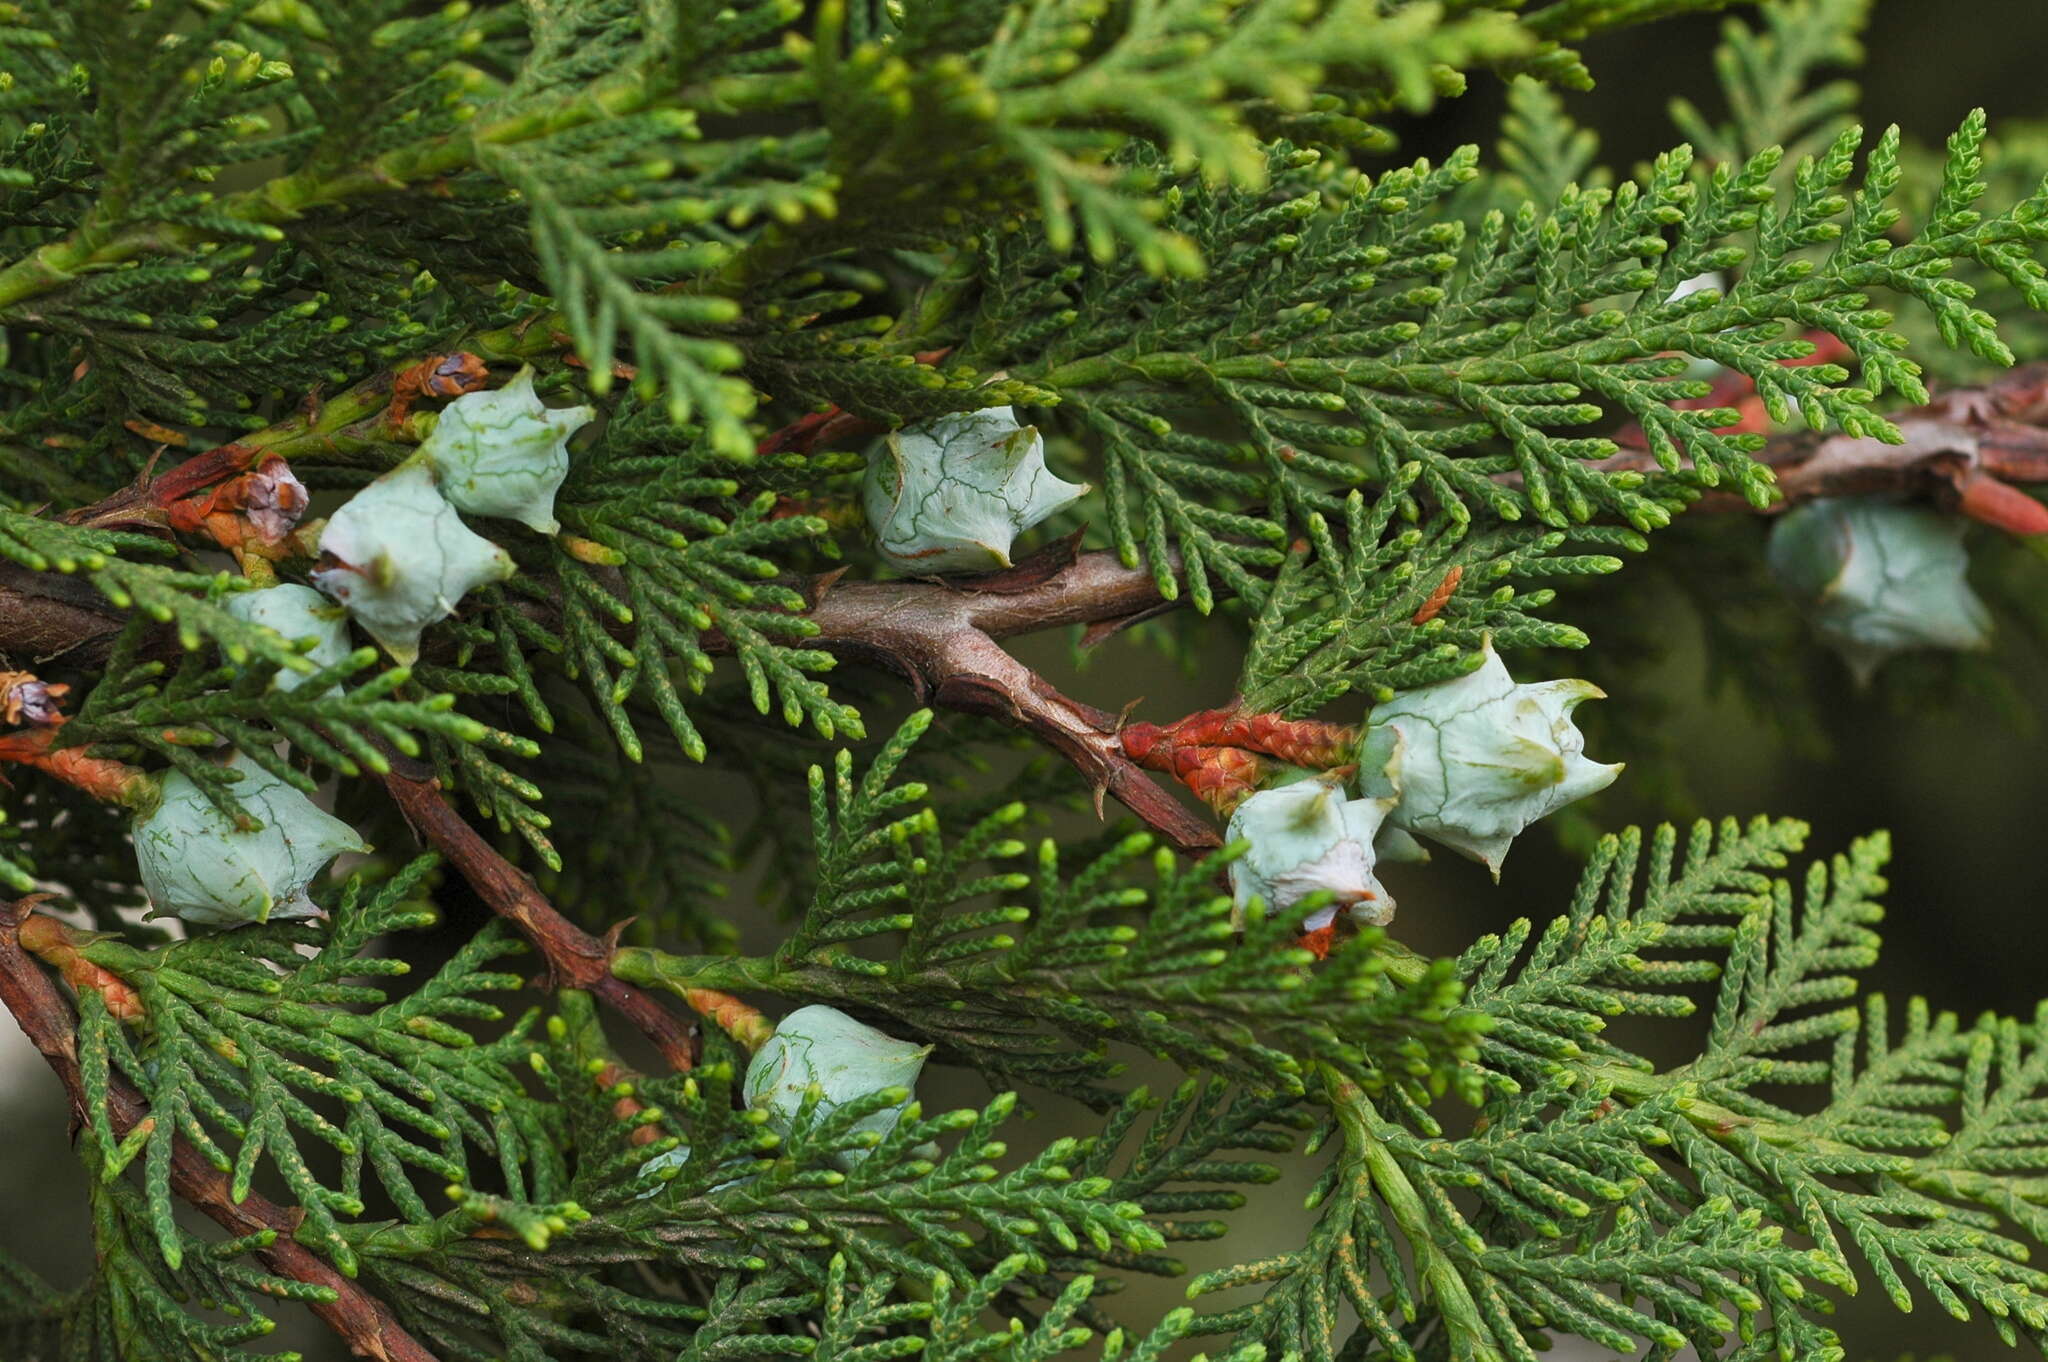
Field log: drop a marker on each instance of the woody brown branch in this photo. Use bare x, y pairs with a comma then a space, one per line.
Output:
946, 641
363, 1321
944, 637
575, 958
1999, 430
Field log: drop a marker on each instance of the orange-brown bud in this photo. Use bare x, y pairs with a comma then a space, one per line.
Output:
59, 947
26, 698
2001, 505
443, 376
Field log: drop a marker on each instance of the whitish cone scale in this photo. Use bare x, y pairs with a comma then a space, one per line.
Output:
1476, 759
504, 453
298, 613
844, 1058
400, 558
196, 864
1877, 579
952, 495
1305, 838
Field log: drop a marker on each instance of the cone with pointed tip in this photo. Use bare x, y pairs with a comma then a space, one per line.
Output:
504, 453
1474, 760
953, 494
1398, 847
1308, 837
400, 558
195, 863
1877, 578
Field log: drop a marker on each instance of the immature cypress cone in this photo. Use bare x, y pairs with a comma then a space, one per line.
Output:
400, 558
953, 494
195, 863
1306, 838
1476, 759
846, 1059
1878, 578
298, 613
504, 453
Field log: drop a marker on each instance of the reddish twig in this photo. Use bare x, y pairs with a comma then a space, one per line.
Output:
575, 958
807, 433
616, 1082
142, 504
103, 778
1964, 449
1439, 597
46, 1019
1223, 754
62, 949
737, 1019
246, 499
1222, 777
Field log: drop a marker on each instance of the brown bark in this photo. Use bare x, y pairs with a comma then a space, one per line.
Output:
575, 958
1994, 431
946, 640
361, 1319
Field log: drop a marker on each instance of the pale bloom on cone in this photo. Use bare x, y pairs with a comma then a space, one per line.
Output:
400, 558
844, 1058
1309, 837
953, 494
1476, 759
1878, 578
196, 864
504, 452
298, 613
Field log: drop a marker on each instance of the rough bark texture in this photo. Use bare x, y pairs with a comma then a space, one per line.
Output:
946, 641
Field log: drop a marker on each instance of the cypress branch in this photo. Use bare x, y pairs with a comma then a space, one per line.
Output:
578, 357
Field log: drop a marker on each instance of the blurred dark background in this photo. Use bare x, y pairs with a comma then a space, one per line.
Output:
1949, 759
